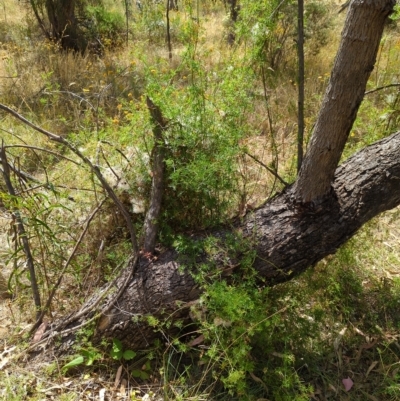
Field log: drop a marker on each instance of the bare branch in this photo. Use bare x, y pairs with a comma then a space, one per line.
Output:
379, 88
67, 263
95, 169
22, 233
270, 170
43, 150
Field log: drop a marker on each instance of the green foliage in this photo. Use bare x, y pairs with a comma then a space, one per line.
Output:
118, 353
292, 342
86, 357
270, 27
104, 26
75, 362
150, 22
242, 322
206, 124
274, 343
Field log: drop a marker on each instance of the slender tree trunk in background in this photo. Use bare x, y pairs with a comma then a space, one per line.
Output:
288, 236
353, 65
172, 5
234, 8
168, 30
300, 79
39, 19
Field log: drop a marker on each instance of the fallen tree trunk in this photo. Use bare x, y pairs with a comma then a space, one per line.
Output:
288, 238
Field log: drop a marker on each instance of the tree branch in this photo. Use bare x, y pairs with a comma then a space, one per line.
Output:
95, 169
22, 234
352, 67
270, 170
379, 88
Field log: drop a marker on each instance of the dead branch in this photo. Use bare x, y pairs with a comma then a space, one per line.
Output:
95, 169
158, 170
21, 233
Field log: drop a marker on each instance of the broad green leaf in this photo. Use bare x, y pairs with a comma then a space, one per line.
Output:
136, 373
75, 362
117, 349
129, 354
144, 375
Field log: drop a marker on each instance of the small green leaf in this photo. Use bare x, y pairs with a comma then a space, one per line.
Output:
136, 373
75, 362
117, 345
129, 354
117, 349
117, 355
90, 357
144, 375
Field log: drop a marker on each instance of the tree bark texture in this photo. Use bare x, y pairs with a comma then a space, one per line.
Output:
288, 238
150, 226
353, 65
64, 24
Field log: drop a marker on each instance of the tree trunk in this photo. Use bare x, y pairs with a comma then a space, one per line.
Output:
353, 65
288, 235
287, 239
234, 9
64, 24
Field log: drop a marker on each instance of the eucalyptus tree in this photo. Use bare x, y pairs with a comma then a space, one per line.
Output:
307, 221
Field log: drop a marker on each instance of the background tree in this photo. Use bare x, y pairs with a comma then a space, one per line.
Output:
78, 24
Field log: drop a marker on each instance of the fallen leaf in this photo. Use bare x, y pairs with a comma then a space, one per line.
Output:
198, 340
39, 332
373, 364
118, 376
348, 384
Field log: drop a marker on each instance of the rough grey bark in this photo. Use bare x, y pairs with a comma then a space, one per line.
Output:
353, 65
300, 81
287, 238
150, 226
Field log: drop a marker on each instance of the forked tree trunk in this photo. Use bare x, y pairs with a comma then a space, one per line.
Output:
310, 220
353, 65
287, 239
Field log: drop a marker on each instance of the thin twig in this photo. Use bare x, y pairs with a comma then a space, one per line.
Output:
22, 233
67, 263
273, 172
22, 175
380, 88
43, 150
132, 264
94, 168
